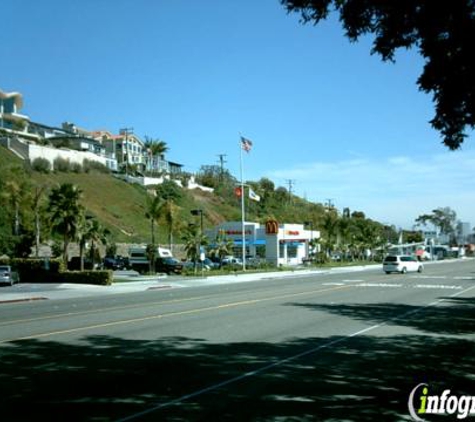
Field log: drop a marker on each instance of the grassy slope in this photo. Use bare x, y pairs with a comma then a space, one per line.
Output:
116, 204
121, 206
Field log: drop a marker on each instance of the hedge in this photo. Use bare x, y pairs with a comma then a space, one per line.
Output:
99, 278
33, 270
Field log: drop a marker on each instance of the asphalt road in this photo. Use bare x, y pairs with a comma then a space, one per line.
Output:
341, 347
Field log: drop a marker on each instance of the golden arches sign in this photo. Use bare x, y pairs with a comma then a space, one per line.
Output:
272, 227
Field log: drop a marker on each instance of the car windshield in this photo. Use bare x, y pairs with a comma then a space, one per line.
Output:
3, 268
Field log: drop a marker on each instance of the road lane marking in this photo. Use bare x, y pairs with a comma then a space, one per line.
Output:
172, 314
281, 362
398, 285
101, 310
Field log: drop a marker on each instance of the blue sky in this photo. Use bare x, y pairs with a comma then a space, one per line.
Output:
320, 111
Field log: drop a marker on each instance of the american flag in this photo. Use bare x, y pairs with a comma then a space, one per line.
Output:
246, 144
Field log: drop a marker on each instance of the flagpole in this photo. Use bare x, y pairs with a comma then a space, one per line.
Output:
242, 215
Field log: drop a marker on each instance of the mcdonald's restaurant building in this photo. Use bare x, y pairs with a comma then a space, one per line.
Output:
278, 244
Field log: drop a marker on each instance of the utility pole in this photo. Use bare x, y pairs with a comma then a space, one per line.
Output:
126, 132
222, 162
290, 182
329, 203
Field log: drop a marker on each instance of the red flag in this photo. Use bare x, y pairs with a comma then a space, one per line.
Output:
238, 192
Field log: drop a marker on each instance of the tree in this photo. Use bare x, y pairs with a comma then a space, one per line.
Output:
65, 213
169, 190
193, 239
157, 147
442, 31
95, 233
214, 176
223, 246
445, 219
14, 192
153, 210
169, 212
38, 196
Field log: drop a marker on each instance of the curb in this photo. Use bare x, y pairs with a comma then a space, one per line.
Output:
27, 299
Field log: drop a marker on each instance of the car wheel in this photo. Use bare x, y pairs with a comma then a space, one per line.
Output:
419, 270
404, 270
387, 272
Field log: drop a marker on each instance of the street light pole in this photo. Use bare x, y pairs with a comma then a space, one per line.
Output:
200, 213
310, 242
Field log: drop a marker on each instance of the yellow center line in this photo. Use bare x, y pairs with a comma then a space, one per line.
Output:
173, 314
96, 311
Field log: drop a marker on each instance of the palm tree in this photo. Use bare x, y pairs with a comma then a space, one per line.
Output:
37, 199
153, 209
170, 211
156, 147
65, 213
223, 246
193, 239
96, 233
90, 230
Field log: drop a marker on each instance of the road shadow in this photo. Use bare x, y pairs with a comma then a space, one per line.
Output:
363, 378
453, 316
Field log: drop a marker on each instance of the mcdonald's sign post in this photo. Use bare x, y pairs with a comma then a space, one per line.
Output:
272, 227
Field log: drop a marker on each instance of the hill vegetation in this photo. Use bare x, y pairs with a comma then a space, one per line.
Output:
121, 207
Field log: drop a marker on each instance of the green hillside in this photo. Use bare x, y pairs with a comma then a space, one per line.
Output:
121, 207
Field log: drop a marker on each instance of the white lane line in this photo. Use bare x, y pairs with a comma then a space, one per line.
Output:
436, 286
286, 360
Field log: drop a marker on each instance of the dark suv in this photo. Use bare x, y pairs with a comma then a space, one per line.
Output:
168, 265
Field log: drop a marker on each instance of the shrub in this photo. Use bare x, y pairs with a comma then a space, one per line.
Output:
41, 165
98, 278
33, 270
76, 168
61, 164
90, 165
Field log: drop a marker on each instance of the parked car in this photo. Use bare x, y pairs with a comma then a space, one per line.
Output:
114, 263
230, 260
8, 276
401, 264
168, 265
74, 264
210, 264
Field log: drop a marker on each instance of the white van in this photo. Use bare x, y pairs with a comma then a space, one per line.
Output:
401, 264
